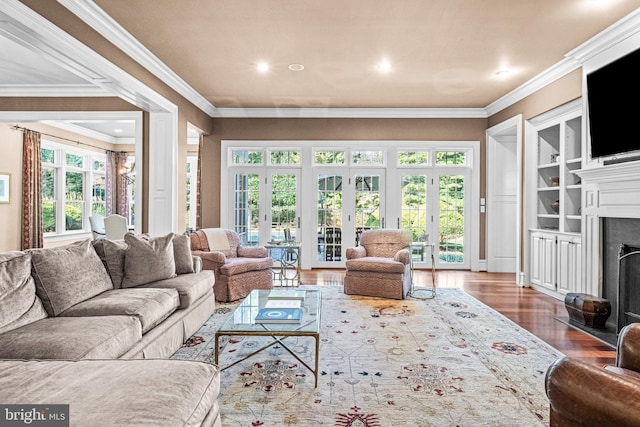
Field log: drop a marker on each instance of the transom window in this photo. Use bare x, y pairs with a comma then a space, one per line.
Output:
413, 158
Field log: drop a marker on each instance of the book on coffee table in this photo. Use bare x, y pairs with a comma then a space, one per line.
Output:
279, 315
286, 294
283, 303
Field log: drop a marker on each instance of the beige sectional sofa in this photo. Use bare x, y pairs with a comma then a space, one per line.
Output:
138, 298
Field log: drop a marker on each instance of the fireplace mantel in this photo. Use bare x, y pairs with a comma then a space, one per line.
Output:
608, 191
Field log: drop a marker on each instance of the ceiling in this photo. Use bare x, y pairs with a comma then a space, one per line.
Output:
440, 53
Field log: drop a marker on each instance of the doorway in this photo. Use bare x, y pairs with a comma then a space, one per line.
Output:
504, 197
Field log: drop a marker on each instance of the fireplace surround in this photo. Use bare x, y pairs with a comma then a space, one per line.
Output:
611, 218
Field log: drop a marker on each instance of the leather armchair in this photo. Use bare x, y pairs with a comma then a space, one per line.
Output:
582, 394
238, 270
380, 265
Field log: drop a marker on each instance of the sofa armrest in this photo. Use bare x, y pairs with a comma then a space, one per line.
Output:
581, 394
215, 256
403, 256
252, 251
197, 264
628, 355
357, 252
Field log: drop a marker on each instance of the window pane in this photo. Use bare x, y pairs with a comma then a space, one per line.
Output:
74, 160
99, 187
48, 156
414, 207
451, 245
74, 186
285, 158
367, 158
98, 165
48, 184
98, 208
48, 217
247, 208
329, 157
243, 157
451, 158
73, 215
413, 157
283, 204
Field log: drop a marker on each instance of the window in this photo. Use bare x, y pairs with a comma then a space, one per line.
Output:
285, 157
246, 157
329, 157
367, 158
449, 158
413, 158
70, 179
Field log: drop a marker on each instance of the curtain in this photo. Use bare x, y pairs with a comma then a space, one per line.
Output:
31, 190
116, 186
199, 179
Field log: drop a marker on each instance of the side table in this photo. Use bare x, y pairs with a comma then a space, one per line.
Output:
286, 257
413, 291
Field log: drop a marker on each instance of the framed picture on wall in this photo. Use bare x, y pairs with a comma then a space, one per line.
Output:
4, 187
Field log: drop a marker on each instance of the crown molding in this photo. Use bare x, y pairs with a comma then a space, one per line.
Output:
99, 20
621, 30
36, 33
368, 113
62, 90
548, 76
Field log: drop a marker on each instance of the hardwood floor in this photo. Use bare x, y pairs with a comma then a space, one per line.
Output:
528, 308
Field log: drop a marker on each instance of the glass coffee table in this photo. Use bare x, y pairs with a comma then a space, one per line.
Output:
242, 323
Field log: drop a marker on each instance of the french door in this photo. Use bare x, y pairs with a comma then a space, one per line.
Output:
433, 205
266, 203
349, 201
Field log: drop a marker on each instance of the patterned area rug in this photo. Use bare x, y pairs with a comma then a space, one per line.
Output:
450, 361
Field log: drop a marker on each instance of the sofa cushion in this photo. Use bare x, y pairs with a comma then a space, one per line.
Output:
235, 266
117, 392
67, 275
190, 287
100, 337
20, 305
148, 260
150, 306
182, 254
381, 265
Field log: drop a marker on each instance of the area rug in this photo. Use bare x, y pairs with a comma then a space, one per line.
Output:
449, 361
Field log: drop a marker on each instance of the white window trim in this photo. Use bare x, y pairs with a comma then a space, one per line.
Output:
61, 168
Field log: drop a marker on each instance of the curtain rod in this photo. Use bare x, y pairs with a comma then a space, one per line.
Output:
23, 130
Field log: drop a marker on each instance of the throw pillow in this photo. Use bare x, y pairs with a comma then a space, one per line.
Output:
114, 253
20, 305
67, 275
182, 254
148, 260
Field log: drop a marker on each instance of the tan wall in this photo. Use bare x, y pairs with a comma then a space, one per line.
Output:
330, 129
11, 162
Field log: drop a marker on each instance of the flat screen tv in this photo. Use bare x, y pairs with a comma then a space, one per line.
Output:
613, 96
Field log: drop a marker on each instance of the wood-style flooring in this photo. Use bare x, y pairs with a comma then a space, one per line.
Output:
532, 310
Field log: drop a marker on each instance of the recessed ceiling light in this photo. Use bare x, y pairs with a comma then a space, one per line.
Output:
262, 67
502, 73
296, 67
117, 130
383, 66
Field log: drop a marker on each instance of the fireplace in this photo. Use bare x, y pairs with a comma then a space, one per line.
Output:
611, 222
621, 270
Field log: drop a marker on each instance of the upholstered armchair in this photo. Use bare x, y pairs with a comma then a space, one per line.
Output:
380, 265
583, 394
238, 269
